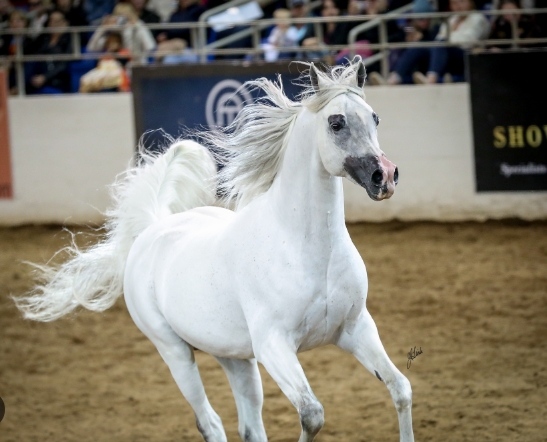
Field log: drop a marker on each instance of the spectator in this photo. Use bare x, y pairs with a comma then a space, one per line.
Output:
38, 16
334, 33
110, 74
164, 8
412, 59
51, 76
283, 35
300, 9
145, 15
465, 30
5, 10
75, 15
137, 38
188, 11
9, 42
96, 10
373, 7
526, 24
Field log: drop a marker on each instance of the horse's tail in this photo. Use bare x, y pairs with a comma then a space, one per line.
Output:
180, 179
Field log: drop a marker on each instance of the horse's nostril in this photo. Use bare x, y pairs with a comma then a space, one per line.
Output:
377, 177
396, 176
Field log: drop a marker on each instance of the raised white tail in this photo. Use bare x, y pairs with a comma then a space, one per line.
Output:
180, 179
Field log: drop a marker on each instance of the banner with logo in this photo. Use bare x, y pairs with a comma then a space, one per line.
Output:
6, 189
187, 97
509, 108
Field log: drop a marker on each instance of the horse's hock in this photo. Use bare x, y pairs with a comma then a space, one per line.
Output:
472, 296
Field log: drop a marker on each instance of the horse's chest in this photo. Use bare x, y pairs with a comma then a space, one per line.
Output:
322, 312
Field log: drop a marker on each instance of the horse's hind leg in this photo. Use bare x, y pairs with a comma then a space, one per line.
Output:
244, 378
179, 356
364, 343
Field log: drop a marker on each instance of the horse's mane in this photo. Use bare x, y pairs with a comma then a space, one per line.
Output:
251, 149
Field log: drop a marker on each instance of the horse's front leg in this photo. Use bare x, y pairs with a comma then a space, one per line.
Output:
361, 339
280, 360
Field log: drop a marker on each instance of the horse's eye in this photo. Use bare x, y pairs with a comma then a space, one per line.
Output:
376, 119
337, 122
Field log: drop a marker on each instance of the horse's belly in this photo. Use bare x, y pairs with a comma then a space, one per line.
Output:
207, 320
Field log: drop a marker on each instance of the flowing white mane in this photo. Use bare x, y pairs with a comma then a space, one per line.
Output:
252, 147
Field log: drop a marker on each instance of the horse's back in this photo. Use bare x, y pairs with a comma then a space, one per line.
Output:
172, 264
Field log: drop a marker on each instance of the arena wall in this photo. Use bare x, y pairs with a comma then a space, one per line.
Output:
67, 149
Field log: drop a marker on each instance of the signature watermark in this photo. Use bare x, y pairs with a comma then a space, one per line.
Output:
413, 354
2, 409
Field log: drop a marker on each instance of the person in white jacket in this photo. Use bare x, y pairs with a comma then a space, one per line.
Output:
137, 38
463, 29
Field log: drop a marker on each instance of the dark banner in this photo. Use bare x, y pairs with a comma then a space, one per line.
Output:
187, 97
509, 107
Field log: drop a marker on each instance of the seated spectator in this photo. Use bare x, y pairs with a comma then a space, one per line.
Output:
38, 15
283, 35
5, 10
75, 15
175, 51
110, 74
9, 43
96, 10
526, 24
300, 9
137, 38
372, 7
334, 33
464, 29
188, 11
145, 15
164, 8
52, 76
412, 59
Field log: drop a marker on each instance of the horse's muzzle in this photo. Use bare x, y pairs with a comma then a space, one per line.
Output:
377, 175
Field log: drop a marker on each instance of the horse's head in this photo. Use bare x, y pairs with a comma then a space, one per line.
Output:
348, 139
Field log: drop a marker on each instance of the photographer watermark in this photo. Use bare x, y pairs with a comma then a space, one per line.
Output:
2, 409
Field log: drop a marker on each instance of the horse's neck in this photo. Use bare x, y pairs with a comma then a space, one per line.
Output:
304, 194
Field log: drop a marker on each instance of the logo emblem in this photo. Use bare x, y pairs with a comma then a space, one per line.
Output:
224, 102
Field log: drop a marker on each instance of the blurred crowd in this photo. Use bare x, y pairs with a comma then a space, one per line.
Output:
122, 37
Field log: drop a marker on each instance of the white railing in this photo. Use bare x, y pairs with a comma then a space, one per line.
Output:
204, 50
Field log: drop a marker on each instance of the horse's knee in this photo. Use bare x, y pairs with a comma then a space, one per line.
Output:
401, 392
312, 417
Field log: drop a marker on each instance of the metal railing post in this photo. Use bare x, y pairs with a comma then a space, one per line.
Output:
76, 43
203, 41
20, 67
384, 66
194, 38
318, 28
256, 42
514, 31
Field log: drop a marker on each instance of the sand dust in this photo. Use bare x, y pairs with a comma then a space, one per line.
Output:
472, 296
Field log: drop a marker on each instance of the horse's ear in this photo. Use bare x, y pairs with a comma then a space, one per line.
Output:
313, 78
361, 75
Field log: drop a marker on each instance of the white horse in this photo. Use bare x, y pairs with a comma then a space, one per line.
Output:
276, 276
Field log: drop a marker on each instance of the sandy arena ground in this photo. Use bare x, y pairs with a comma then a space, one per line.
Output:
472, 296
